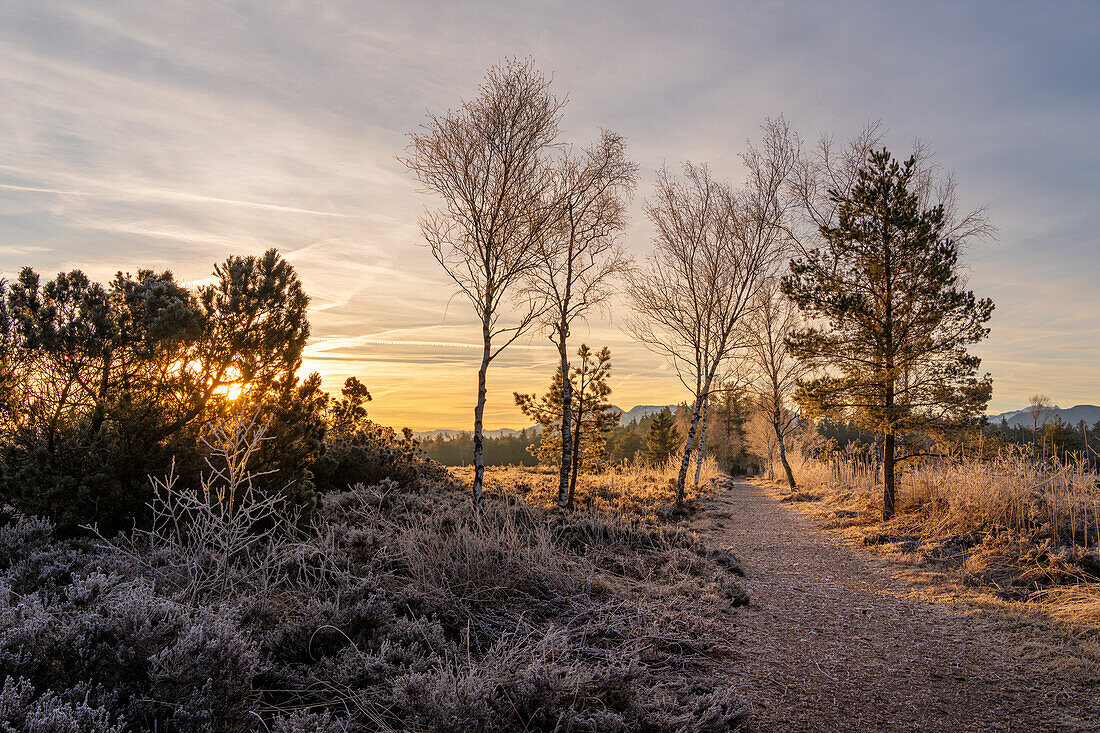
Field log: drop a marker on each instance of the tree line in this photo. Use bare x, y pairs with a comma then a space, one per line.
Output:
828, 281
102, 386
651, 440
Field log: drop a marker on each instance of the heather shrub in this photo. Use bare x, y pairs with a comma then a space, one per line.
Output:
394, 607
23, 710
301, 721
206, 673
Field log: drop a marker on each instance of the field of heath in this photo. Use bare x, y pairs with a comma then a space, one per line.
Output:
631, 491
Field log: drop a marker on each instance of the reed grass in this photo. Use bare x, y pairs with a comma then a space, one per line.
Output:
1024, 528
1059, 499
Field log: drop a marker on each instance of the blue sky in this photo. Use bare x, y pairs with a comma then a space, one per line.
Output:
167, 134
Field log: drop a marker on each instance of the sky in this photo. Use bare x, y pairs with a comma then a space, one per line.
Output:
172, 134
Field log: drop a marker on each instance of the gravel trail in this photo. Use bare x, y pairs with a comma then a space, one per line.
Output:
838, 639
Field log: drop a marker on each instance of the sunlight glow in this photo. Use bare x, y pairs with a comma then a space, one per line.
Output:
230, 391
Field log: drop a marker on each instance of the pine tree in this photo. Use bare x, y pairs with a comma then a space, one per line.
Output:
663, 439
896, 321
730, 411
592, 415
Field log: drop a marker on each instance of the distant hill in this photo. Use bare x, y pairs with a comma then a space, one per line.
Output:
498, 433
1015, 418
1072, 415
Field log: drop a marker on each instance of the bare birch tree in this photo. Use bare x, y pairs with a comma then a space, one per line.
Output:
710, 256
775, 371
1039, 409
829, 166
487, 162
579, 257
760, 439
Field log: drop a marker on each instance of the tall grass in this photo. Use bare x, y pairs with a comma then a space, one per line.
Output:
1013, 490
630, 489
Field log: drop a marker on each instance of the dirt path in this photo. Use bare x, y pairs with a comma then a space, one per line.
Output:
835, 639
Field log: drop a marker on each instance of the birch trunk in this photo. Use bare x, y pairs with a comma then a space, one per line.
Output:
777, 423
576, 464
479, 414
566, 425
701, 454
689, 445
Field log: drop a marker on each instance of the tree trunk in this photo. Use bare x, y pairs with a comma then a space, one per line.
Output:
479, 413
689, 445
566, 426
777, 419
576, 462
889, 493
100, 413
878, 461
702, 452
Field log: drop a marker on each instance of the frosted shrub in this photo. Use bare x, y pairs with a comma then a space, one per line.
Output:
23, 711
301, 721
207, 672
397, 607
223, 538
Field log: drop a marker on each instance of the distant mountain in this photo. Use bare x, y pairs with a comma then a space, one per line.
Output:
1015, 418
430, 434
640, 412
1072, 415
448, 434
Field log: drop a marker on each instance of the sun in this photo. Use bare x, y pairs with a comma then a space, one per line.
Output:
231, 391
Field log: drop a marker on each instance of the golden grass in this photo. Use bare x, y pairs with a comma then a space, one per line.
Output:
1056, 500
1027, 530
627, 490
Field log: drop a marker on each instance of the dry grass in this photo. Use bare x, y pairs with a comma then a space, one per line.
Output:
1027, 530
627, 490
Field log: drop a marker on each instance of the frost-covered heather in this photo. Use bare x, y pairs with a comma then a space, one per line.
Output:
397, 608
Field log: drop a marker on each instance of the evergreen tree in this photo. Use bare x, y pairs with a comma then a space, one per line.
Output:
101, 385
896, 321
1059, 437
730, 411
592, 416
663, 440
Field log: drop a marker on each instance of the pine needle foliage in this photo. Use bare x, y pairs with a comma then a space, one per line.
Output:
592, 415
663, 439
891, 316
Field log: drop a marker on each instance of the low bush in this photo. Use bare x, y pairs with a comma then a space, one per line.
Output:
395, 608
